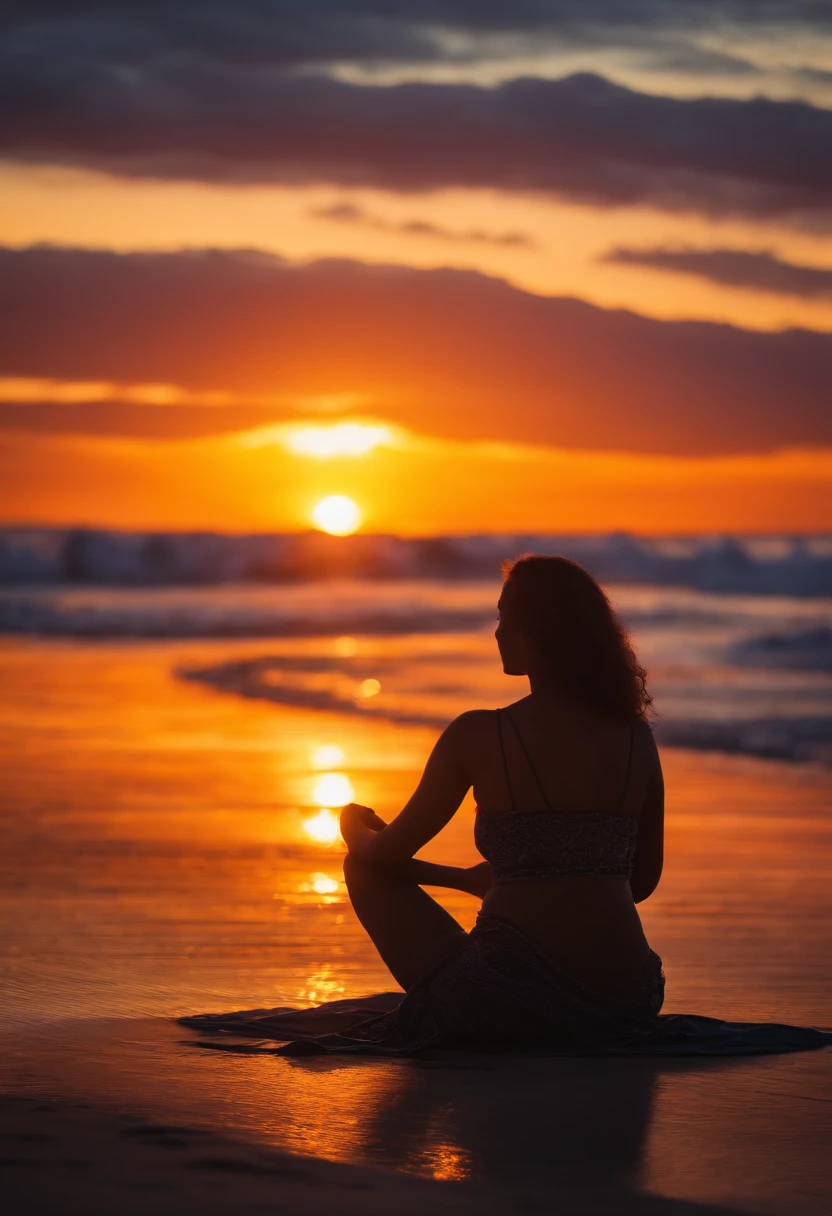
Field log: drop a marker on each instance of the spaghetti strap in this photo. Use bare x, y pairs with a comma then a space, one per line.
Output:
549, 806
505, 763
626, 774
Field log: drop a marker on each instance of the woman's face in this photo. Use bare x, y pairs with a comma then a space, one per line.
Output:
515, 646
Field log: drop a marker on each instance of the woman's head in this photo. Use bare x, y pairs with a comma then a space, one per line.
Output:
557, 626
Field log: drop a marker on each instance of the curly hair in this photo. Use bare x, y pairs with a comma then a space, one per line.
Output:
571, 623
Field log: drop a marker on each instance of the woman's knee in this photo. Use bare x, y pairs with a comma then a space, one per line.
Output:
365, 880
355, 870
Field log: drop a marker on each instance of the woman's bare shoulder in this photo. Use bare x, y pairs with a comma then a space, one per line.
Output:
646, 741
472, 723
473, 728
644, 728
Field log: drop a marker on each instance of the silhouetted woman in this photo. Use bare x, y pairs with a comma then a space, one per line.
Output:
570, 806
570, 817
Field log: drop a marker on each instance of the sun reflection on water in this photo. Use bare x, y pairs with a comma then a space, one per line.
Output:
323, 827
321, 986
323, 885
328, 755
333, 789
446, 1162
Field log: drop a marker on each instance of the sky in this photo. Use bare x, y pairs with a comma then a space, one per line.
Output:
568, 263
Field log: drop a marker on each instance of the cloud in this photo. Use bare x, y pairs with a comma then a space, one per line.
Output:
126, 419
444, 352
285, 32
215, 93
754, 271
349, 213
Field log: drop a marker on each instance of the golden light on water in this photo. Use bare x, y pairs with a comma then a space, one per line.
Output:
369, 688
343, 439
333, 789
448, 1162
323, 827
322, 985
328, 755
337, 515
322, 884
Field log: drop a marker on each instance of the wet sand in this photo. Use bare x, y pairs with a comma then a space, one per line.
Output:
750, 1134
154, 863
69, 1158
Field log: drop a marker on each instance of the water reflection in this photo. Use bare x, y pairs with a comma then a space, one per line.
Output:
575, 1122
328, 755
322, 985
447, 1163
333, 789
323, 827
324, 885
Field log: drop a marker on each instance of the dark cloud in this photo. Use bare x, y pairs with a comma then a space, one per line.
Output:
129, 420
447, 352
581, 137
699, 61
296, 32
754, 271
349, 213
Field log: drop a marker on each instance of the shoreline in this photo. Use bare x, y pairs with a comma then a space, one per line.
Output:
62, 1157
640, 1136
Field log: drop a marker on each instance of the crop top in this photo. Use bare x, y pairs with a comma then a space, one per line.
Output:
551, 843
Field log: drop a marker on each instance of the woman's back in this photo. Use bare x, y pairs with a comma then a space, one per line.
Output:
545, 754
563, 877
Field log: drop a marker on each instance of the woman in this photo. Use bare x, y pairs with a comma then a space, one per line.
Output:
570, 803
570, 809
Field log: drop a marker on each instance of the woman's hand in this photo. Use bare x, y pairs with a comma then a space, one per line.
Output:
358, 825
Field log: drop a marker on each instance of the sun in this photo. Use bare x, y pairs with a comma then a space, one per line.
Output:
337, 515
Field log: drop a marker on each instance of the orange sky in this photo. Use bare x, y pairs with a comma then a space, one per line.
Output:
421, 486
85, 208
521, 397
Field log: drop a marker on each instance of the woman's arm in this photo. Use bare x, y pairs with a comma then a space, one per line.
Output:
474, 880
358, 823
649, 855
443, 785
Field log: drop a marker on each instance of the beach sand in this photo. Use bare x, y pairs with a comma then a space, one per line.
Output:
68, 1159
741, 1134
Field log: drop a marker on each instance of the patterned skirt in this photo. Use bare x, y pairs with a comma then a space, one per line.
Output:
498, 992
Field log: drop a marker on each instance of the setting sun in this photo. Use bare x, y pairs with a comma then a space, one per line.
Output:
337, 515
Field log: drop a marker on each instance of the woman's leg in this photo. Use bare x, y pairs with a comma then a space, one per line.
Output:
411, 932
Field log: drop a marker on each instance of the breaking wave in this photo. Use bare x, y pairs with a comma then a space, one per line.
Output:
798, 739
801, 650
285, 681
145, 613
331, 685
795, 566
